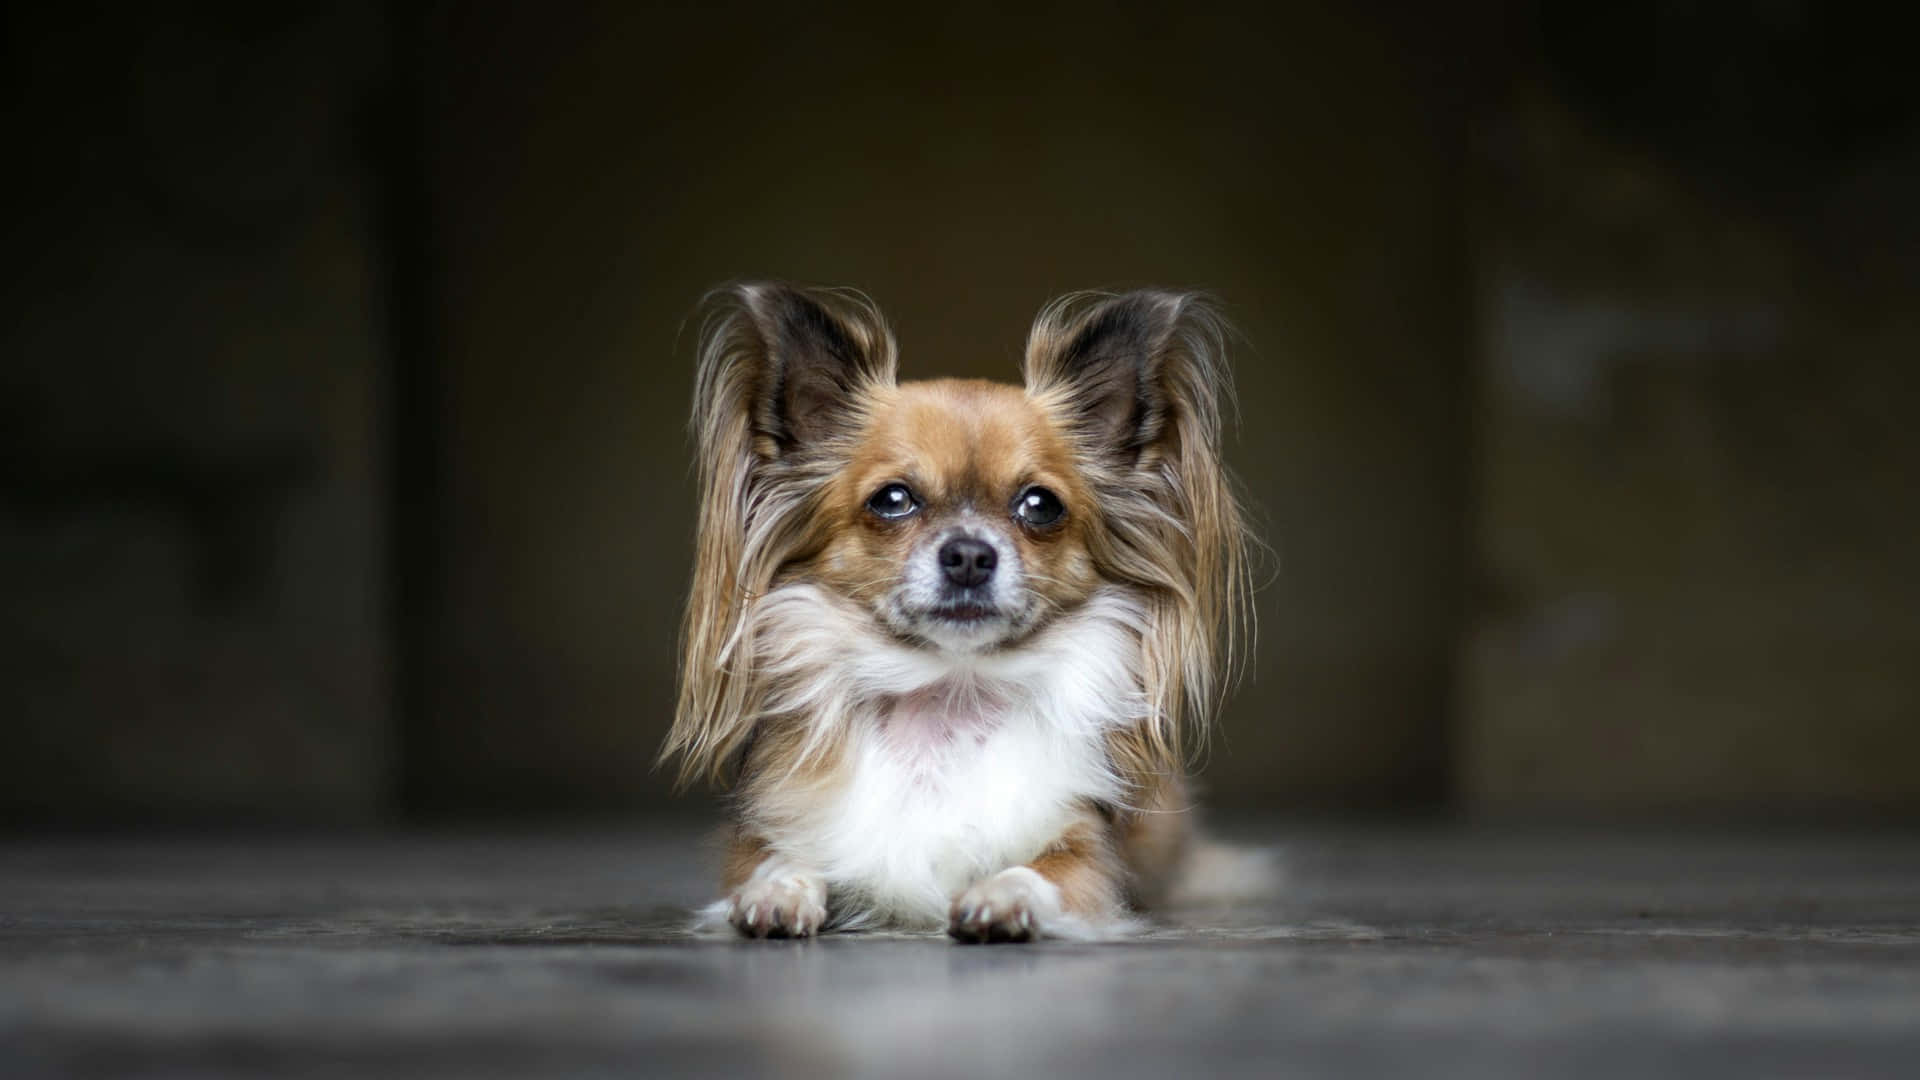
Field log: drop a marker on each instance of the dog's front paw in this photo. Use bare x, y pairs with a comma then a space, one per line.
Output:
779, 901
1013, 905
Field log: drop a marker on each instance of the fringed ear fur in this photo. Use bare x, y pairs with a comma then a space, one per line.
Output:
1141, 379
782, 373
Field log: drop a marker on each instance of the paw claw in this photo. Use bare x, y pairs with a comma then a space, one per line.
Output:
779, 903
1012, 905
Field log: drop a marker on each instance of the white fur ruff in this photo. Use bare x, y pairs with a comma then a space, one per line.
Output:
955, 765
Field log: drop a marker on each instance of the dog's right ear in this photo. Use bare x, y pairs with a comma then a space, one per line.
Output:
791, 361
783, 374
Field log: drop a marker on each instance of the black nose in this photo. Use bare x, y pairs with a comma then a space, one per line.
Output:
968, 562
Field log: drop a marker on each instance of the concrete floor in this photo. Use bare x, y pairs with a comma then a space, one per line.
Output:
1431, 952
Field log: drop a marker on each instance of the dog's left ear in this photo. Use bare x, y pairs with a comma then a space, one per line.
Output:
1130, 370
1139, 381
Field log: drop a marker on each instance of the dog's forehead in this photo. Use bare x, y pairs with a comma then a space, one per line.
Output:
963, 428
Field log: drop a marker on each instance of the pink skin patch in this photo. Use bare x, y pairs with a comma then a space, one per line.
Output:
926, 722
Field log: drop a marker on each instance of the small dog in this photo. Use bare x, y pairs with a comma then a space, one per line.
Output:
949, 642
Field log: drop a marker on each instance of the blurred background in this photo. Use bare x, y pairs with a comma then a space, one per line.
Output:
343, 474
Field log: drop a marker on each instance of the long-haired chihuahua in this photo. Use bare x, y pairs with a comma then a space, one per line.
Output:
950, 643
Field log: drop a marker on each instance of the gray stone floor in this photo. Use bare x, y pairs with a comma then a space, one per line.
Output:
1422, 951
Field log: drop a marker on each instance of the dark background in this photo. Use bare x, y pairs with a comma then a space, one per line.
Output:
342, 465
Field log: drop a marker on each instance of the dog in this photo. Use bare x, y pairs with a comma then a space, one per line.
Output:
950, 644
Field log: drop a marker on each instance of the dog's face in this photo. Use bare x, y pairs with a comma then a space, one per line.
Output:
960, 519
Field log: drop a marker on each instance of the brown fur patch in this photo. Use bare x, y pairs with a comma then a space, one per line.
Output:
1086, 868
1154, 838
743, 855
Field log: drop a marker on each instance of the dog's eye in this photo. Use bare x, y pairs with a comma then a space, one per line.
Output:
892, 502
1037, 506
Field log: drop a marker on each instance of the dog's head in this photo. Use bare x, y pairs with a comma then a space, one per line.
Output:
962, 516
961, 519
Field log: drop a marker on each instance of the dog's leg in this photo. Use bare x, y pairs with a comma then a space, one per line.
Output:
1073, 889
769, 895
1155, 840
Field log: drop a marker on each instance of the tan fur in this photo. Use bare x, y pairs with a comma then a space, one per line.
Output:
1087, 869
1153, 839
743, 855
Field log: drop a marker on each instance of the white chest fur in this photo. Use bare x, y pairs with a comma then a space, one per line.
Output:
954, 767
